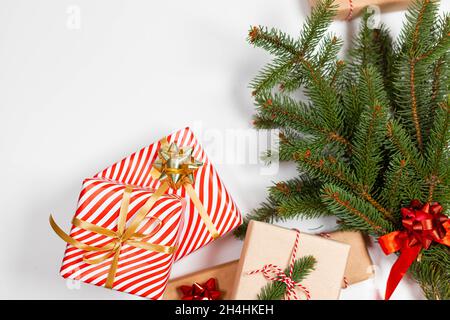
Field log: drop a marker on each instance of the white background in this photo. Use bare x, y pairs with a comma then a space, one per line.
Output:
74, 100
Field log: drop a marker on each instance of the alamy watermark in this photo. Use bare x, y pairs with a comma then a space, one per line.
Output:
242, 147
374, 21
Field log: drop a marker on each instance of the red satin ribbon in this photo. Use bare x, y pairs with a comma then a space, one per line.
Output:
422, 224
205, 291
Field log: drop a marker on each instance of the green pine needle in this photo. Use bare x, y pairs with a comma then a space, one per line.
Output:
276, 290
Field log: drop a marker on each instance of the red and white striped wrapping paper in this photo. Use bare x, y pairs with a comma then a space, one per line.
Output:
140, 272
135, 170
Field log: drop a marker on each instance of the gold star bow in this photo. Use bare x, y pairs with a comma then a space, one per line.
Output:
176, 165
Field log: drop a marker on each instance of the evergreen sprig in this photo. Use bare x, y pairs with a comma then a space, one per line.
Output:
373, 132
276, 290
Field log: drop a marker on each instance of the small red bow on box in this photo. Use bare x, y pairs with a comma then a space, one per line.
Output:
205, 291
422, 224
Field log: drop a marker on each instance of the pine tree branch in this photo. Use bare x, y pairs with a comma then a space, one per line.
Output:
273, 41
369, 134
323, 96
316, 25
414, 112
276, 290
346, 206
265, 213
286, 112
287, 50
329, 50
417, 37
337, 72
442, 45
403, 145
335, 171
271, 74
299, 197
439, 141
432, 272
436, 84
396, 179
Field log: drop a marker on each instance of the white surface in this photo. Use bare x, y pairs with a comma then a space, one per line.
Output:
73, 101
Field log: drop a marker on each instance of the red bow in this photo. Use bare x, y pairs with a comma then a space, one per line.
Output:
422, 224
205, 291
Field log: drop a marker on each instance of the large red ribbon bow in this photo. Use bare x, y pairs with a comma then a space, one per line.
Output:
205, 291
422, 224
274, 273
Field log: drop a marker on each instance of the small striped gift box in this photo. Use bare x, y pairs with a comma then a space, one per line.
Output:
143, 258
222, 211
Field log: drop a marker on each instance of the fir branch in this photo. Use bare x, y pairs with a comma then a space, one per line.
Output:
316, 25
353, 107
403, 144
323, 96
371, 47
271, 74
336, 72
274, 41
335, 171
442, 46
356, 213
432, 272
438, 142
414, 112
369, 134
276, 290
418, 36
286, 112
287, 50
397, 178
265, 213
299, 197
329, 49
295, 198
438, 87
329, 169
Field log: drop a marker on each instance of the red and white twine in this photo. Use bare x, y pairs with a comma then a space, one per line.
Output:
345, 283
350, 10
274, 273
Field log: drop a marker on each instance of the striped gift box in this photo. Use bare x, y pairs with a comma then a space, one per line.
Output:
139, 271
135, 169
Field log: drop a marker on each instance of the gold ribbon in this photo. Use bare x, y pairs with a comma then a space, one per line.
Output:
175, 168
123, 235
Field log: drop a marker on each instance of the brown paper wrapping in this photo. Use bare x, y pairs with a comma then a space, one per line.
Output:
269, 244
224, 274
359, 5
359, 265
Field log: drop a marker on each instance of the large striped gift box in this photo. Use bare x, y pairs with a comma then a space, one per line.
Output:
222, 210
139, 271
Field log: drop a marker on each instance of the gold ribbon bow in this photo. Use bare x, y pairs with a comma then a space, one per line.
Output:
123, 235
175, 168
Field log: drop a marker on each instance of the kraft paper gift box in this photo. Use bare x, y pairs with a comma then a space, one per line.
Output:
359, 265
219, 207
223, 274
135, 231
267, 244
352, 8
